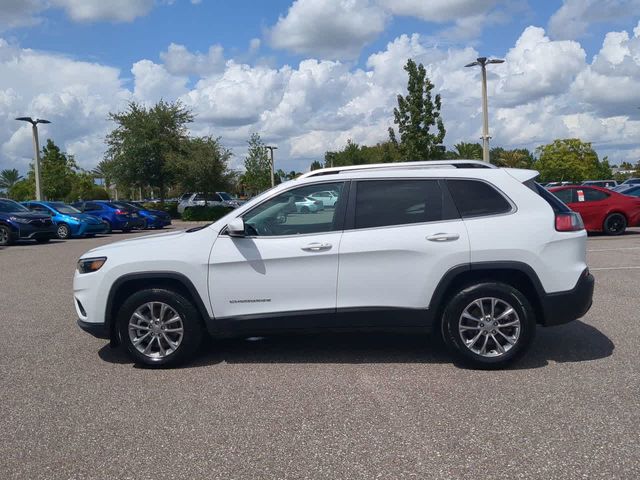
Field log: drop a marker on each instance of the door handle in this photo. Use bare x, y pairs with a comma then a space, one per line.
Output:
316, 247
443, 237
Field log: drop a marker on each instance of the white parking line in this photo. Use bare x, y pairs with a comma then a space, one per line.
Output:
614, 268
612, 249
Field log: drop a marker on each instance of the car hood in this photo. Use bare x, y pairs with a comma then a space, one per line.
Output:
28, 215
143, 242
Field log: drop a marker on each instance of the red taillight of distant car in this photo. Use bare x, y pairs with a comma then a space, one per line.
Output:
121, 212
569, 222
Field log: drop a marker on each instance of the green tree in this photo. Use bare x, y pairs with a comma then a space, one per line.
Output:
417, 113
204, 166
569, 160
84, 188
315, 165
257, 176
104, 171
144, 143
468, 151
57, 172
22, 190
8, 178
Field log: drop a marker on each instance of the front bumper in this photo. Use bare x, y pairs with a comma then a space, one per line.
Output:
98, 330
31, 231
564, 307
89, 229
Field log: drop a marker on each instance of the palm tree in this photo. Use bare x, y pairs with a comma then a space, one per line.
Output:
8, 178
518, 158
104, 170
468, 151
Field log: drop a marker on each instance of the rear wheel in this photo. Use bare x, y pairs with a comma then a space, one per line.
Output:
63, 231
108, 225
488, 325
615, 224
304, 210
5, 236
159, 327
126, 230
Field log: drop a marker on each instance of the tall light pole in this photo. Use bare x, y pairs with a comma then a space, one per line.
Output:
483, 62
271, 149
36, 149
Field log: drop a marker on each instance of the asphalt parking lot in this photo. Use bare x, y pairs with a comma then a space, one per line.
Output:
355, 406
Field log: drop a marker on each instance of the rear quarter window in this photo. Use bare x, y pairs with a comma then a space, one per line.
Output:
474, 198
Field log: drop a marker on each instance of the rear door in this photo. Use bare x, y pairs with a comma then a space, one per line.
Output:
403, 236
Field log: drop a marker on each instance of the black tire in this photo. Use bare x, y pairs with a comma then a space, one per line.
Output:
145, 225
453, 325
42, 239
106, 222
192, 325
126, 230
615, 224
64, 232
6, 238
304, 210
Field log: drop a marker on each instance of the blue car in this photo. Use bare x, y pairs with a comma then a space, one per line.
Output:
70, 222
115, 216
17, 222
152, 218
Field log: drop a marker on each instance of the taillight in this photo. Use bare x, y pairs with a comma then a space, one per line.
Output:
120, 212
569, 222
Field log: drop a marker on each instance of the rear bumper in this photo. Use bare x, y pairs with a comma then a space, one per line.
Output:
98, 330
564, 307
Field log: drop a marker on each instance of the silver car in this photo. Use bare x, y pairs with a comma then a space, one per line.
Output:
206, 200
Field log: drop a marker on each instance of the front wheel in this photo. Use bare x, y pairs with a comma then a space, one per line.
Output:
159, 327
615, 224
488, 325
5, 236
64, 232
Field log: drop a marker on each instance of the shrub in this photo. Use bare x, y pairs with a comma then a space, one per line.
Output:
170, 207
205, 213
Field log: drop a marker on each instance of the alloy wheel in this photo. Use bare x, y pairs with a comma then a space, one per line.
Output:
489, 327
156, 330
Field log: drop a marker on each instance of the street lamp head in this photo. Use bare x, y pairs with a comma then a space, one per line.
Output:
472, 64
496, 60
25, 119
42, 121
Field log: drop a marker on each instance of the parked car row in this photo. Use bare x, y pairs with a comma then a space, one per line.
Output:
223, 199
42, 221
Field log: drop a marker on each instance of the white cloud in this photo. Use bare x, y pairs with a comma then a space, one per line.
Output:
153, 82
112, 10
180, 61
573, 18
439, 10
75, 96
18, 13
329, 28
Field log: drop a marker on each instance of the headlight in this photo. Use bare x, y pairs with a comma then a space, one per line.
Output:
19, 220
88, 265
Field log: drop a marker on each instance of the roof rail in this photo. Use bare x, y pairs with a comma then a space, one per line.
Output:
399, 166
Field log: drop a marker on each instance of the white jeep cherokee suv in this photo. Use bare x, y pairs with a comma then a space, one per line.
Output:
477, 254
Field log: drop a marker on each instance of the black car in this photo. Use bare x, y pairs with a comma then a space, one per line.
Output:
17, 222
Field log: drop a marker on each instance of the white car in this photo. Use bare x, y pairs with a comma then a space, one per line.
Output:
327, 198
477, 254
307, 205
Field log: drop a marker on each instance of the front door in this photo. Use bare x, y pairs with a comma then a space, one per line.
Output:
287, 264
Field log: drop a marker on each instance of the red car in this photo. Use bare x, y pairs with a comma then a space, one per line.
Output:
601, 209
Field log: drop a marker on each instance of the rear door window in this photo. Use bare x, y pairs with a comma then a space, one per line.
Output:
475, 198
382, 203
592, 195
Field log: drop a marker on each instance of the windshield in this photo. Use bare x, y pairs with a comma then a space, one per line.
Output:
9, 206
64, 208
225, 196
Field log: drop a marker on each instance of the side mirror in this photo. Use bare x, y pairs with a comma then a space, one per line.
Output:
235, 228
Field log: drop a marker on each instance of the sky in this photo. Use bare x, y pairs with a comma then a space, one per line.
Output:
308, 75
